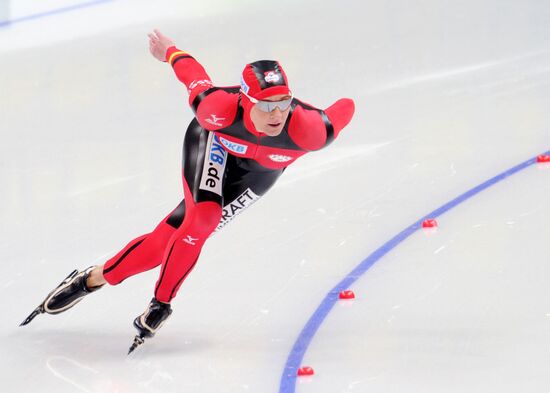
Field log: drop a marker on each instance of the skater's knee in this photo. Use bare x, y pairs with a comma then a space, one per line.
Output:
204, 218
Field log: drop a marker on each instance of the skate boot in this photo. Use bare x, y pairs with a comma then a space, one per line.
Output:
71, 290
150, 321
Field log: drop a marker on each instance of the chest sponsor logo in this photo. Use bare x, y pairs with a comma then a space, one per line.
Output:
215, 120
234, 147
237, 206
279, 158
271, 77
214, 166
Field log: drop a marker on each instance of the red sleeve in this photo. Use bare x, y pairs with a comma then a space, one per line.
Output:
189, 71
340, 114
313, 129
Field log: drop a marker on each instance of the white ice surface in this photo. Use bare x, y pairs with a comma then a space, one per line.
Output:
448, 95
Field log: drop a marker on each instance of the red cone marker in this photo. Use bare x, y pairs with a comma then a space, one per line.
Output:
429, 223
305, 371
543, 158
345, 295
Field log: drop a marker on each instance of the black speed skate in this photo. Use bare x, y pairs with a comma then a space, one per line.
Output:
71, 290
150, 321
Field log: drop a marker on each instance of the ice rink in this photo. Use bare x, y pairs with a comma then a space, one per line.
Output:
449, 95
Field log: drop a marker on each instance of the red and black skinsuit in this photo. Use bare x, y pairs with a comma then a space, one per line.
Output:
227, 166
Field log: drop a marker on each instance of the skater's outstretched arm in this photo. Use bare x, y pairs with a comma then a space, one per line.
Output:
204, 98
188, 70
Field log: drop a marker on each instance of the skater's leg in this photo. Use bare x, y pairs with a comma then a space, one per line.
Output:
209, 177
133, 259
143, 253
185, 245
200, 220
241, 188
204, 162
204, 166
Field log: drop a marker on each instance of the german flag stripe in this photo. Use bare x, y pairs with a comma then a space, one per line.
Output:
177, 54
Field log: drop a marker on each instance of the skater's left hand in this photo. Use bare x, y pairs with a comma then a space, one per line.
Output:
159, 44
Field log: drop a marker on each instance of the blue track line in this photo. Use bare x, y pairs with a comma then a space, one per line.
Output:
294, 360
10, 22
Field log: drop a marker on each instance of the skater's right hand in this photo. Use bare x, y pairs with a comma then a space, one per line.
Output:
159, 44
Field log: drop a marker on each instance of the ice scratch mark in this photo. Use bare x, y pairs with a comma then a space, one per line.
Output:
311, 167
50, 365
528, 213
453, 170
451, 73
8, 284
264, 307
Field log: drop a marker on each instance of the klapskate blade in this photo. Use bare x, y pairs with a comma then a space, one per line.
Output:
37, 311
40, 309
138, 340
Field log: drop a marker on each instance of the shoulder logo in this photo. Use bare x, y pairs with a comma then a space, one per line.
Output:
203, 82
279, 158
271, 77
214, 120
244, 86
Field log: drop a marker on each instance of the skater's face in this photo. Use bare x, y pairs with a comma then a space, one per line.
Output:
270, 123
